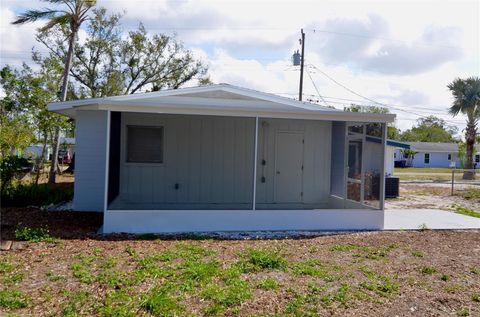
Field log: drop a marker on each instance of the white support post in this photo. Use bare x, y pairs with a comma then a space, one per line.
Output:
255, 166
382, 169
362, 165
107, 161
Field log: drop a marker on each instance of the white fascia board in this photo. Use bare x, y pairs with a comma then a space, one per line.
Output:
306, 115
160, 95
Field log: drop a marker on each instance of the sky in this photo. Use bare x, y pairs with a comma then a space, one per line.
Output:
401, 54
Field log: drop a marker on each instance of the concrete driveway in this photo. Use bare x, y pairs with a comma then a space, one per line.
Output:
414, 219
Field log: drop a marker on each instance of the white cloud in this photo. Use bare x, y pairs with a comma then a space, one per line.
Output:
401, 53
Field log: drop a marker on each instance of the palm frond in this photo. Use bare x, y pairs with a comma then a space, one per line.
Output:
56, 20
34, 15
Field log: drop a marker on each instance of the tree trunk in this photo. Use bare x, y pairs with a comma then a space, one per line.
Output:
63, 97
470, 135
42, 159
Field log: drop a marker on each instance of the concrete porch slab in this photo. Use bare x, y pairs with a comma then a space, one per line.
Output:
414, 219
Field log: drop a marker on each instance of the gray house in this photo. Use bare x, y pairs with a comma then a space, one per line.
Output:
226, 158
436, 154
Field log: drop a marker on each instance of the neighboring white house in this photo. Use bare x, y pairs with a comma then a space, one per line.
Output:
226, 158
436, 154
34, 151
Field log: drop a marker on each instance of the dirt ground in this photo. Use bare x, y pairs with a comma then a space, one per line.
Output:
431, 196
420, 273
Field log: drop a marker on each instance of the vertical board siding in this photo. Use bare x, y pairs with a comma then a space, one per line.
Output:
205, 155
338, 157
90, 153
317, 147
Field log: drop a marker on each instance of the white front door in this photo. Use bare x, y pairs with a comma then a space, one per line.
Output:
288, 167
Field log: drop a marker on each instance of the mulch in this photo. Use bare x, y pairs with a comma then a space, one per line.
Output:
455, 253
61, 224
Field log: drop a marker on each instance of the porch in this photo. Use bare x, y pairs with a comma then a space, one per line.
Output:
170, 162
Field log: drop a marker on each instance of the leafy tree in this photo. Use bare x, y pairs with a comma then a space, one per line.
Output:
392, 131
108, 64
466, 93
14, 119
27, 94
430, 129
69, 12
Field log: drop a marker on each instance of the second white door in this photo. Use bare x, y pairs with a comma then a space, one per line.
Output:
289, 167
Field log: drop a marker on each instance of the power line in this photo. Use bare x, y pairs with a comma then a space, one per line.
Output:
386, 39
366, 98
315, 86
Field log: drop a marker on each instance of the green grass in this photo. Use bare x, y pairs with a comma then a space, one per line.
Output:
365, 252
268, 284
160, 301
316, 268
399, 170
12, 299
191, 278
467, 212
259, 260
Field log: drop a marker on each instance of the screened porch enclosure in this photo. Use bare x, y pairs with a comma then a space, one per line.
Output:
200, 162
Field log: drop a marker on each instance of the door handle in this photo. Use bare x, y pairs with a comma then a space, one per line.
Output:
278, 172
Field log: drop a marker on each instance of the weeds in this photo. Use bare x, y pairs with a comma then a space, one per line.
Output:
12, 299
417, 254
472, 193
476, 297
159, 301
33, 234
258, 260
268, 284
428, 270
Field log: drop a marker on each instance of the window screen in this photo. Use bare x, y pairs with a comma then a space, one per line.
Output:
144, 144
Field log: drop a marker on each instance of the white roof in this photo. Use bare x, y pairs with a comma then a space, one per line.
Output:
220, 99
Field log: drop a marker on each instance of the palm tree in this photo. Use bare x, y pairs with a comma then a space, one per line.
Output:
69, 12
466, 93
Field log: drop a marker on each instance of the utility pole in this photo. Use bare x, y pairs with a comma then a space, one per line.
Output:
300, 92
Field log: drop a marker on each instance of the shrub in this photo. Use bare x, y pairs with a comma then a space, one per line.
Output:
9, 166
36, 194
32, 234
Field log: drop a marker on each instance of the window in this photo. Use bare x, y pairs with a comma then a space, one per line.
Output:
477, 158
394, 155
144, 144
426, 158
449, 157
